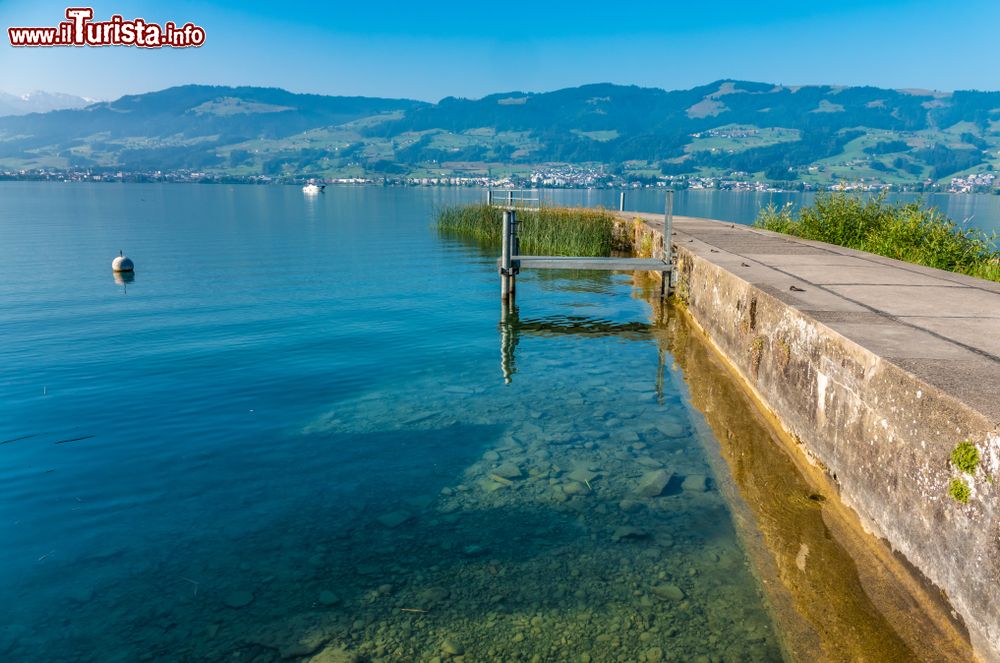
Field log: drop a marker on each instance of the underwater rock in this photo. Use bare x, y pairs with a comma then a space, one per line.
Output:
574, 488
491, 456
582, 475
451, 648
493, 484
672, 429
668, 592
239, 599
328, 598
648, 462
654, 655
627, 532
697, 483
395, 519
334, 654
630, 506
652, 483
508, 471
432, 595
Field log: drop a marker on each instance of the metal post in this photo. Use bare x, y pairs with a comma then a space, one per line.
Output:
668, 243
515, 243
505, 257
510, 199
621, 202
668, 227
489, 197
515, 250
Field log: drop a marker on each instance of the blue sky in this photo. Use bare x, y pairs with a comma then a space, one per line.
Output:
428, 49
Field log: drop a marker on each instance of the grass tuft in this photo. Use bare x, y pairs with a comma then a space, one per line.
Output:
965, 457
959, 491
909, 232
554, 231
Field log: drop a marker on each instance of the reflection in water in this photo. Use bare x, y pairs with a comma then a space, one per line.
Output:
512, 327
123, 279
837, 594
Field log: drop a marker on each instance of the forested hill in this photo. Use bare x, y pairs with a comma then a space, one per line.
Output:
778, 132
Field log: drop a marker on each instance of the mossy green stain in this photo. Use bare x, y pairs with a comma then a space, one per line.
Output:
965, 457
959, 490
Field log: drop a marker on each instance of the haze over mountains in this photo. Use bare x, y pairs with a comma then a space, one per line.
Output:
813, 133
39, 102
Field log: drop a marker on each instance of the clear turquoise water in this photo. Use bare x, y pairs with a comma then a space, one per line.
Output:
290, 437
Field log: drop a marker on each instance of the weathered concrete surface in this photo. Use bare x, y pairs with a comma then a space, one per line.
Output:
879, 368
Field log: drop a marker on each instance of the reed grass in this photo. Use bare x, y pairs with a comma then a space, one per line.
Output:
552, 231
905, 231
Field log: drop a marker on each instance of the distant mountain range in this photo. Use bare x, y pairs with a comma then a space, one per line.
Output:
39, 102
755, 130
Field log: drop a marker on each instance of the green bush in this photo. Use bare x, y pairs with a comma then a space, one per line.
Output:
547, 231
909, 232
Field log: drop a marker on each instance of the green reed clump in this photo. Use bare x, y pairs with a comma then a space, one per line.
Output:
909, 232
553, 231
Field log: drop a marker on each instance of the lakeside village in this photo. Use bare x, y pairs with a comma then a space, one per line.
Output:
554, 177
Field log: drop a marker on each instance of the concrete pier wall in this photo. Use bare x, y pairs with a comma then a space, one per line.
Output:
877, 389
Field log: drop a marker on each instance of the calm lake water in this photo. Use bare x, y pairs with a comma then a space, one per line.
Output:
289, 436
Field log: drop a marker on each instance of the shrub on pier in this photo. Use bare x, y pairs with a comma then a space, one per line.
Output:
910, 232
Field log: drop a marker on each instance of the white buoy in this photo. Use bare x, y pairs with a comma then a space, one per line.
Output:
122, 264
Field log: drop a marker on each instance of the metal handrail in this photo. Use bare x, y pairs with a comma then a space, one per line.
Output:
513, 198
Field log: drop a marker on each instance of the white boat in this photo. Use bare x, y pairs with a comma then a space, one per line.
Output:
312, 189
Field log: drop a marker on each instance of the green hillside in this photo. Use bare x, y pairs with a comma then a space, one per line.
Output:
815, 134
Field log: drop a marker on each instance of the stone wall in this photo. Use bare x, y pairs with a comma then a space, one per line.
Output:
883, 436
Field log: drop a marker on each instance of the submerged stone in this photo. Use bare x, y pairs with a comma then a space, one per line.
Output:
582, 475
653, 483
508, 471
333, 654
628, 532
451, 648
630, 506
697, 483
493, 484
395, 518
672, 429
668, 592
432, 595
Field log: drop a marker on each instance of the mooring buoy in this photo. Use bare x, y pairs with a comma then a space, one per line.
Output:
122, 264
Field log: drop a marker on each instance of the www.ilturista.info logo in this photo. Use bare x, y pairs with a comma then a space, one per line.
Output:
81, 30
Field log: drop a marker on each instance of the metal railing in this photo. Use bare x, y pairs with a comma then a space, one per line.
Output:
514, 198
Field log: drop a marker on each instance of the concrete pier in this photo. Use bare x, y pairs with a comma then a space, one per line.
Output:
878, 369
